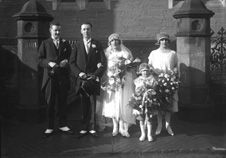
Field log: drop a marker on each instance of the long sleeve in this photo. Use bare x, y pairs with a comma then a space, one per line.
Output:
72, 62
100, 71
41, 59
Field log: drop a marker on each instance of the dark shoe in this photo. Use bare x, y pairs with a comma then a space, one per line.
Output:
79, 135
95, 135
68, 131
46, 135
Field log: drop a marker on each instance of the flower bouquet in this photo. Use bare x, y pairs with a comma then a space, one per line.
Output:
168, 84
117, 68
145, 100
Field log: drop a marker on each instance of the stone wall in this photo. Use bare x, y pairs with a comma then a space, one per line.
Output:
133, 19
137, 21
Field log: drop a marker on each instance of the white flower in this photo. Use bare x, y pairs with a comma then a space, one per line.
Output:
109, 74
111, 80
137, 60
99, 65
127, 62
94, 46
166, 75
111, 64
167, 90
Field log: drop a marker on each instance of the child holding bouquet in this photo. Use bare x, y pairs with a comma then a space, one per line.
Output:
144, 100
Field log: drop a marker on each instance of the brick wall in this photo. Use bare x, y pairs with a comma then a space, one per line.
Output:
133, 19
137, 21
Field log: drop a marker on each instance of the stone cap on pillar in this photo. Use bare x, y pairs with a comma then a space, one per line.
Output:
193, 9
33, 10
193, 19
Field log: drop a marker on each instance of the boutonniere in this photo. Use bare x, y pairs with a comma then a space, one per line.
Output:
94, 46
99, 65
63, 40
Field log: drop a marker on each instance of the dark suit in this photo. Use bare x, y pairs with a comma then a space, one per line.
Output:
55, 89
80, 61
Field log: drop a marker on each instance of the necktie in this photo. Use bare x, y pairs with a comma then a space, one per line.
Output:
56, 42
87, 46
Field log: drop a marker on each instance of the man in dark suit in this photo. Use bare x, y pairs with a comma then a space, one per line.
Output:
53, 56
88, 63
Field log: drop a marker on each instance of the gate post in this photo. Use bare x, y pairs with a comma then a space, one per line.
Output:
32, 28
193, 48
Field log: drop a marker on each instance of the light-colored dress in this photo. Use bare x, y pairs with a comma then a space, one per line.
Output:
115, 103
165, 61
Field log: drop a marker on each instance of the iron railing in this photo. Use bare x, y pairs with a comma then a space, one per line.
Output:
218, 58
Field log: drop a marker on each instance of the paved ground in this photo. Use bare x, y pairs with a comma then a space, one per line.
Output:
24, 140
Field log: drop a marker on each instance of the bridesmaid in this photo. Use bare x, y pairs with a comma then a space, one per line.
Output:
163, 59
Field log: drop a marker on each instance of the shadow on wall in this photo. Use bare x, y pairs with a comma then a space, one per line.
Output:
20, 94
9, 82
195, 101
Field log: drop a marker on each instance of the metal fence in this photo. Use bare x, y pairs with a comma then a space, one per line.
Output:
218, 58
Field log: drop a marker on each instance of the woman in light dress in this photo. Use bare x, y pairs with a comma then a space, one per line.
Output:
115, 103
162, 59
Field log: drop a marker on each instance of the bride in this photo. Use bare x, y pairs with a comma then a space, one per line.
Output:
115, 100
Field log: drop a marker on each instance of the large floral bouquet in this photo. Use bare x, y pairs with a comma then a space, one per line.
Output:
168, 84
117, 68
145, 100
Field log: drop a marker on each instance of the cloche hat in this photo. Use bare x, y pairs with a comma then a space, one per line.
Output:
162, 35
143, 67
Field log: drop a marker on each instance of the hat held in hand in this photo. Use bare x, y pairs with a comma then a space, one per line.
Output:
88, 87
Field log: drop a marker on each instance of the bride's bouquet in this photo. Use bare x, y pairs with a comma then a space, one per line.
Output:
117, 68
168, 84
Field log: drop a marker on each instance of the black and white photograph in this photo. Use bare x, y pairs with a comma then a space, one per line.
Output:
113, 78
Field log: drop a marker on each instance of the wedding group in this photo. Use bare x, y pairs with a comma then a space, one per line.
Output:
127, 89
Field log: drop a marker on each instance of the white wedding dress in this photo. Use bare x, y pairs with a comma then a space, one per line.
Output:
115, 104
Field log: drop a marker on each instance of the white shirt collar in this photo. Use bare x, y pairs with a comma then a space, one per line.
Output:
86, 41
57, 40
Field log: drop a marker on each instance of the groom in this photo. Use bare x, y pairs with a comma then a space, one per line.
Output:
88, 63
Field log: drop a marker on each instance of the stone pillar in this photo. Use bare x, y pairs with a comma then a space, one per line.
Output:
32, 28
193, 48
